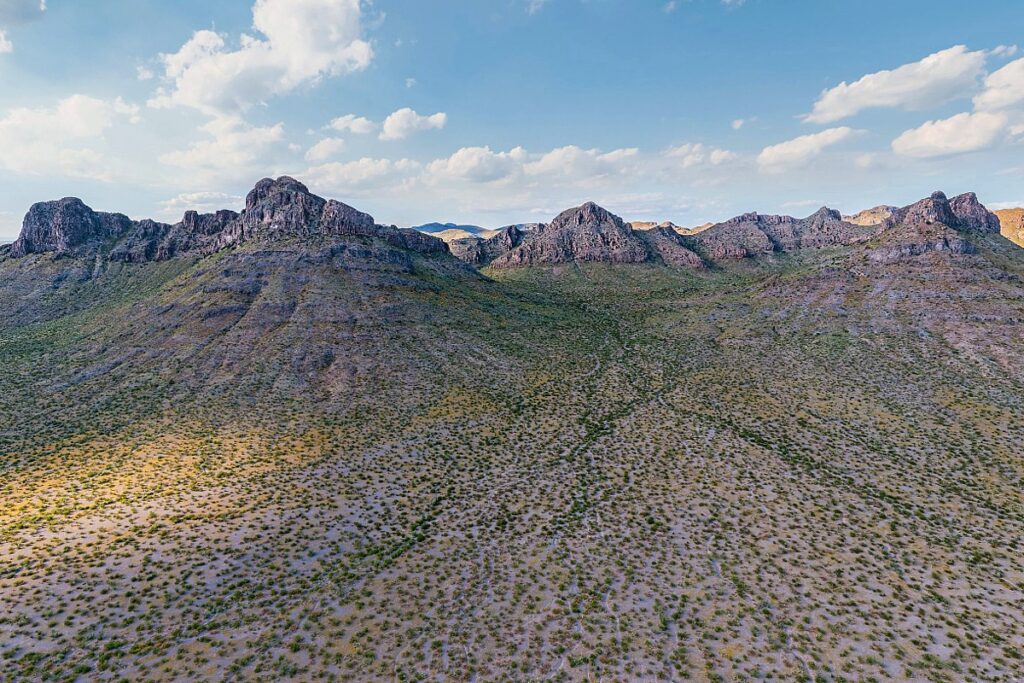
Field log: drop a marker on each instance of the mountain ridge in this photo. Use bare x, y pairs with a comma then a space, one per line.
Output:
284, 208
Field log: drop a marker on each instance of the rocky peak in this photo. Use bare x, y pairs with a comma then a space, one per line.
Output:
65, 226
281, 206
972, 214
825, 214
587, 233
963, 212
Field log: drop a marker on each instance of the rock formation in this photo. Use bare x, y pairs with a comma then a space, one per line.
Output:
754, 234
481, 252
935, 224
275, 209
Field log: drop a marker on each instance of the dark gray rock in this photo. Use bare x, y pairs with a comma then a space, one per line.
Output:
275, 209
933, 225
972, 214
66, 227
754, 234
587, 233
477, 251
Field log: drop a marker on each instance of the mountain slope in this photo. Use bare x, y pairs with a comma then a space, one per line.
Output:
308, 456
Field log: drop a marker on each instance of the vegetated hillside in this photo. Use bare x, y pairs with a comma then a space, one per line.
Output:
333, 455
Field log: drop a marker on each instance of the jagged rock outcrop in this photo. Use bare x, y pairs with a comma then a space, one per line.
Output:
274, 209
963, 212
972, 214
673, 248
481, 252
66, 226
933, 225
754, 234
586, 233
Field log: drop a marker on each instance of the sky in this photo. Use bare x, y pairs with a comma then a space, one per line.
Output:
492, 112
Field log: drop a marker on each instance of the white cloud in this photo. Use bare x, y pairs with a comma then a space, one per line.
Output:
203, 202
696, 154
738, 123
959, 134
63, 140
403, 122
144, 73
232, 146
534, 6
1003, 88
799, 151
936, 79
353, 124
5, 44
304, 41
577, 163
355, 177
479, 164
670, 7
325, 149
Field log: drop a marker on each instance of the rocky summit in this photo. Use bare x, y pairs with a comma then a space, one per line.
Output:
291, 443
274, 209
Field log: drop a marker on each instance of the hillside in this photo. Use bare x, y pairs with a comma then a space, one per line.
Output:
295, 444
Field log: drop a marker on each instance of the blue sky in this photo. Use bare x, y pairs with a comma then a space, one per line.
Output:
501, 111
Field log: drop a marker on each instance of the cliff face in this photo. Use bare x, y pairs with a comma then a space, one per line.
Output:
933, 225
66, 226
755, 234
481, 252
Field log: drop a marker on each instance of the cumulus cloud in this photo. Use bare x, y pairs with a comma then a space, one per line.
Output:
63, 140
1003, 88
303, 41
232, 146
799, 151
203, 202
578, 163
967, 132
353, 124
5, 44
325, 149
696, 154
936, 79
357, 177
406, 121
478, 164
